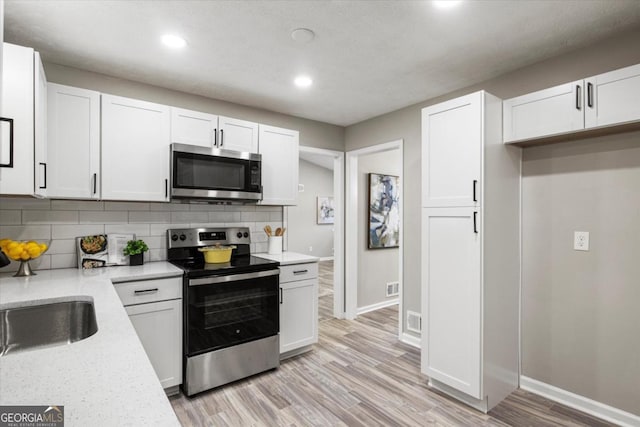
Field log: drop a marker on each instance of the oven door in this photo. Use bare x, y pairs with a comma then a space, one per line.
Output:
223, 311
207, 173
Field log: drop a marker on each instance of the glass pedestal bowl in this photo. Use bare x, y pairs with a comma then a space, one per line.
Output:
24, 252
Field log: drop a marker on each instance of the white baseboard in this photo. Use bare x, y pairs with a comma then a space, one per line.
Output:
326, 258
410, 340
581, 403
377, 306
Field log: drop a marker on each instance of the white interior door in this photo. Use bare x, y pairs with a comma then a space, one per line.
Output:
452, 152
452, 297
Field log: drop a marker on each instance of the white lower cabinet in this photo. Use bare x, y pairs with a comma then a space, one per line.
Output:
158, 323
298, 308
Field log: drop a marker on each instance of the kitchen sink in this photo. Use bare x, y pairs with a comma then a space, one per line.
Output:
46, 324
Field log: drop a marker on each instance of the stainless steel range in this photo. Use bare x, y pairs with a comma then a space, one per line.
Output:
231, 310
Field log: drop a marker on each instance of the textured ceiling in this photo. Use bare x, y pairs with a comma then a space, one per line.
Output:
368, 57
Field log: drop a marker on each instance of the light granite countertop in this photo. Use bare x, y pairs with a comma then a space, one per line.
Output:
288, 258
104, 380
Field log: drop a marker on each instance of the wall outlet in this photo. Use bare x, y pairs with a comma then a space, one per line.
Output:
310, 248
581, 240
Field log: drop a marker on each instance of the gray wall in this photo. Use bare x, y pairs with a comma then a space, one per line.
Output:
376, 267
303, 229
312, 133
583, 369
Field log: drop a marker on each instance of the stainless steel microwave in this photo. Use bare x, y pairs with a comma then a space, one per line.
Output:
212, 174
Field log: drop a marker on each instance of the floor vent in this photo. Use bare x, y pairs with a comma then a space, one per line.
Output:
392, 289
414, 321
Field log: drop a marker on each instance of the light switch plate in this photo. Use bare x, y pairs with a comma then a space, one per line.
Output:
581, 240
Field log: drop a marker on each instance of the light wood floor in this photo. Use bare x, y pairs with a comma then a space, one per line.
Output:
359, 374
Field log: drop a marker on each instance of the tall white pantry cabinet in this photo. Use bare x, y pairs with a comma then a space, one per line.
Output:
470, 251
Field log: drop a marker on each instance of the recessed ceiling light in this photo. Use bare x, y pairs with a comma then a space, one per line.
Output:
303, 81
302, 35
446, 4
173, 41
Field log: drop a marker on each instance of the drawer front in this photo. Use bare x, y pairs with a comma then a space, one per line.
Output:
292, 273
145, 291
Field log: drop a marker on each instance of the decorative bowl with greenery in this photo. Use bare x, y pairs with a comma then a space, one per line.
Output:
135, 249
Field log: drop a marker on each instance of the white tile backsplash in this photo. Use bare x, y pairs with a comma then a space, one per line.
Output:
104, 217
64, 220
49, 217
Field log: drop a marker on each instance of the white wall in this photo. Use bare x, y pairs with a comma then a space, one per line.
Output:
61, 221
303, 231
376, 267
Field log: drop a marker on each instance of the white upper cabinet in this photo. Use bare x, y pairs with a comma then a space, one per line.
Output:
606, 103
73, 142
452, 159
135, 150
17, 126
613, 98
552, 111
208, 130
40, 127
193, 127
279, 150
237, 135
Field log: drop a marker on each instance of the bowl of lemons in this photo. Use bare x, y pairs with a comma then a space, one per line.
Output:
24, 252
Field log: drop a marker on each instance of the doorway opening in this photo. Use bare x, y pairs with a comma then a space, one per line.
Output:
355, 223
316, 225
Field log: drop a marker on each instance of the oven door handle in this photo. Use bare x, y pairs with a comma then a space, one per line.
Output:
233, 277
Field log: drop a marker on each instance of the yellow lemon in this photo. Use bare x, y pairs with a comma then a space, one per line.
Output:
34, 251
25, 256
43, 247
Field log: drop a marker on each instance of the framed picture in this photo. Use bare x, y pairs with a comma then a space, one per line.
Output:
325, 210
384, 214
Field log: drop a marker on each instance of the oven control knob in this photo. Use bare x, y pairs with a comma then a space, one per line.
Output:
174, 237
239, 235
183, 237
246, 234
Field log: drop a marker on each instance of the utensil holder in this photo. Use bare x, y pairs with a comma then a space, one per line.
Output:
275, 245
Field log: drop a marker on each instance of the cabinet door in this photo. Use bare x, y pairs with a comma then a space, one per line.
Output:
159, 327
40, 127
452, 152
73, 142
552, 111
238, 135
279, 150
16, 173
452, 298
193, 127
135, 150
298, 314
612, 98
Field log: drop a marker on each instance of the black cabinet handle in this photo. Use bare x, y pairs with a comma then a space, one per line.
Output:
280, 295
475, 182
10, 163
590, 95
215, 137
166, 188
45, 175
145, 291
300, 271
95, 183
221, 137
578, 97
475, 222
